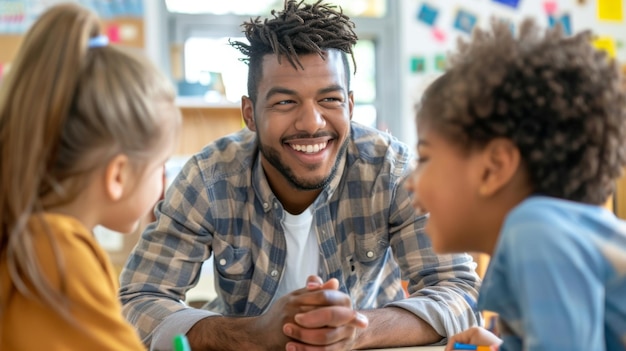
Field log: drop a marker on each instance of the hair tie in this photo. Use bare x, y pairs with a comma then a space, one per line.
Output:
98, 42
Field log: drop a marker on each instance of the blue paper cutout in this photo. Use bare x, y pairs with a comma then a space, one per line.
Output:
564, 20
427, 14
465, 21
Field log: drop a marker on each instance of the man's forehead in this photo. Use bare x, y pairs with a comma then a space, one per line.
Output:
283, 59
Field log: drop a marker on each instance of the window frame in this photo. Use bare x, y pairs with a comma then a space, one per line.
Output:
384, 31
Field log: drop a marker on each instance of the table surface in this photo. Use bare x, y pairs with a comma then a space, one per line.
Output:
413, 348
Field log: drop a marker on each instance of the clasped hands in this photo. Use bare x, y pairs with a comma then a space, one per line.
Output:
316, 317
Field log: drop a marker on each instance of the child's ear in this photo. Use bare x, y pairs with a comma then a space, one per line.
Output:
247, 111
116, 176
501, 160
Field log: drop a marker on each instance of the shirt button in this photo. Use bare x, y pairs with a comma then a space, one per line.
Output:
275, 205
370, 254
274, 273
222, 262
266, 205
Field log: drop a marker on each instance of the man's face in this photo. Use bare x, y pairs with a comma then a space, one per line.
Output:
302, 119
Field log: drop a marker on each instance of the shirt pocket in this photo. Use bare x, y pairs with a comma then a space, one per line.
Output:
234, 271
370, 250
366, 262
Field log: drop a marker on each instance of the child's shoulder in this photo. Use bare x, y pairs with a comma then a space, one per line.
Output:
550, 209
543, 218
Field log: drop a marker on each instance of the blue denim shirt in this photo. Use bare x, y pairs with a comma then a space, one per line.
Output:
558, 278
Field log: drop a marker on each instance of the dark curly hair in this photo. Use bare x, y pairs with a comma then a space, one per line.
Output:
557, 98
298, 29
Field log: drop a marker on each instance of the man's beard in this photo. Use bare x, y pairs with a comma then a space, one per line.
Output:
273, 156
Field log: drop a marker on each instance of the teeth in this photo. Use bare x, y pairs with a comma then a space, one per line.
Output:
309, 149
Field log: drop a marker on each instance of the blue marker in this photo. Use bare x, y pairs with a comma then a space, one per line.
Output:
461, 346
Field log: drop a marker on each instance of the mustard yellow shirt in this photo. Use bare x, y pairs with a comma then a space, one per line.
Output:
91, 286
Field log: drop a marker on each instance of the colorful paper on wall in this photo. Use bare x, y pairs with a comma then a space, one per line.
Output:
605, 43
427, 14
113, 32
439, 35
550, 7
610, 10
564, 20
418, 64
465, 21
440, 62
511, 3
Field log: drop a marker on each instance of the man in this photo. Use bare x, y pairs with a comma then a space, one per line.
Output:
301, 192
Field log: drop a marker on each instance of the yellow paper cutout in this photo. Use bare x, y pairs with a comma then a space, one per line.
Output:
605, 43
610, 10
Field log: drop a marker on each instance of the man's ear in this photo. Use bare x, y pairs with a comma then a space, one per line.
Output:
501, 160
351, 103
247, 111
116, 176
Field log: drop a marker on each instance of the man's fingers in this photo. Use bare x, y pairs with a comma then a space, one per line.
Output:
322, 297
320, 336
331, 316
314, 282
331, 284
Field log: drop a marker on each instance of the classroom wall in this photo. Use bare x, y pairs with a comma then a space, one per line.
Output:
429, 31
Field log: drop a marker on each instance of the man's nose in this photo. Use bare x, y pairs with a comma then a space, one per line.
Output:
311, 118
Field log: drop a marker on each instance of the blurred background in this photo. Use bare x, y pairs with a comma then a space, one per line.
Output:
402, 47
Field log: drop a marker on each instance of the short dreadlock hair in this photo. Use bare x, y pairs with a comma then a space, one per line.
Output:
559, 100
298, 29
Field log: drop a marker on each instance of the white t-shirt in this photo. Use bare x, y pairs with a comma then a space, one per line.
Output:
303, 255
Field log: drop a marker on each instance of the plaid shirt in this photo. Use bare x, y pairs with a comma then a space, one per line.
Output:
558, 278
369, 237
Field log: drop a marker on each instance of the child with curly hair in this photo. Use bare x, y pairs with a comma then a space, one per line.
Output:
520, 142
86, 129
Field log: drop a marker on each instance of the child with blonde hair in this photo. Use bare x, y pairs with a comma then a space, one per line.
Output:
520, 142
86, 129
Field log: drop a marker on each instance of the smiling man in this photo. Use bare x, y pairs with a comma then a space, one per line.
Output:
304, 213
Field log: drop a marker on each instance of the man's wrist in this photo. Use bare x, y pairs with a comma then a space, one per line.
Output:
222, 333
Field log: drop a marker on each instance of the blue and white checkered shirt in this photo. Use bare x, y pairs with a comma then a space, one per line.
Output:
369, 238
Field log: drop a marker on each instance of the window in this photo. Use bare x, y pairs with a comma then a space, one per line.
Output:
213, 63
362, 8
206, 65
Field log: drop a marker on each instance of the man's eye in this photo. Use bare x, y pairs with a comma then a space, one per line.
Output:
331, 99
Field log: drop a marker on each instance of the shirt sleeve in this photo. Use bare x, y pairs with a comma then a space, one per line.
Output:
553, 273
91, 290
167, 260
443, 289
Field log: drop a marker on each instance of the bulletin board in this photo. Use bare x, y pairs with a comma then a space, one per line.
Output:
431, 29
122, 22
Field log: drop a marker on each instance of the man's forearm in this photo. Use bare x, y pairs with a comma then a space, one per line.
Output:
393, 326
224, 333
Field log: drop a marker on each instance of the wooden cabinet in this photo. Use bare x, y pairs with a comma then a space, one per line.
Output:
123, 31
9, 43
619, 204
203, 124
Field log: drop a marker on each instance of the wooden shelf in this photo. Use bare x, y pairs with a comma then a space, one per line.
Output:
128, 31
620, 198
9, 43
204, 124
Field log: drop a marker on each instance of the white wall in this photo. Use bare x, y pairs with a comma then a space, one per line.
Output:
418, 39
